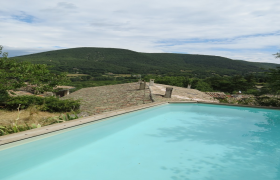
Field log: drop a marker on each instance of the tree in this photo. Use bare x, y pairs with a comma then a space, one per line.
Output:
14, 74
273, 82
203, 86
277, 55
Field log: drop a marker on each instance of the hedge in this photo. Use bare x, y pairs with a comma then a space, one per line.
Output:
50, 104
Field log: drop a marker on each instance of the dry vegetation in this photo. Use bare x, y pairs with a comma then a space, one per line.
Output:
122, 75
28, 116
31, 118
76, 75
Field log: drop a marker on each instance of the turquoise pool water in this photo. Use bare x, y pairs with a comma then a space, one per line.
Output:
169, 142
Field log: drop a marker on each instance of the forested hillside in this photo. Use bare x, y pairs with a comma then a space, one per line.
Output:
103, 60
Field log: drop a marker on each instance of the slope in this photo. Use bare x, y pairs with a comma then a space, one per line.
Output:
91, 60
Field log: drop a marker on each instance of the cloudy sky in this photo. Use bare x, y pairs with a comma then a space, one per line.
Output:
238, 29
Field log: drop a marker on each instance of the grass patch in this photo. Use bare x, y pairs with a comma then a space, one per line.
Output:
76, 75
30, 118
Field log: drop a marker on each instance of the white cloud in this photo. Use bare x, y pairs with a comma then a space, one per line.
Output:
247, 30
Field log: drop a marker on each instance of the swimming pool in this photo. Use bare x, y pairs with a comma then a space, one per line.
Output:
167, 142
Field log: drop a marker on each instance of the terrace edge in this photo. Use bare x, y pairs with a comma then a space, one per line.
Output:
58, 128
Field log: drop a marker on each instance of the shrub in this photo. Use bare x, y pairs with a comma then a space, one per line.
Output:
268, 101
224, 100
4, 96
203, 86
13, 102
261, 101
247, 101
252, 91
51, 104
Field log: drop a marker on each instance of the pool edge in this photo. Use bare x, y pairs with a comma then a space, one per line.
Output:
240, 105
29, 134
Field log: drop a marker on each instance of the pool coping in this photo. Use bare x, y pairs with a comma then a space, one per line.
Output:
24, 135
240, 105
226, 104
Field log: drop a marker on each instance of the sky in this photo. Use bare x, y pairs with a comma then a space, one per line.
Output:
237, 29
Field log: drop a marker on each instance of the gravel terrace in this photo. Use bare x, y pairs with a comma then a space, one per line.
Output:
96, 100
179, 94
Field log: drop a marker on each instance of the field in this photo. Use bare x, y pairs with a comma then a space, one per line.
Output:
76, 75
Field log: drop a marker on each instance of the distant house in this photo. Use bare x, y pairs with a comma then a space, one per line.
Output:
63, 90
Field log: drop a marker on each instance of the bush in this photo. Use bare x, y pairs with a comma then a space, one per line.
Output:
268, 101
252, 91
51, 104
224, 100
247, 101
4, 96
261, 101
25, 101
203, 86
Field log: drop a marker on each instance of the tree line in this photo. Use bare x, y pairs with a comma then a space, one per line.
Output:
270, 82
38, 77
120, 61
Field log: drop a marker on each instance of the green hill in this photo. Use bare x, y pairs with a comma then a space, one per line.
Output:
89, 60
